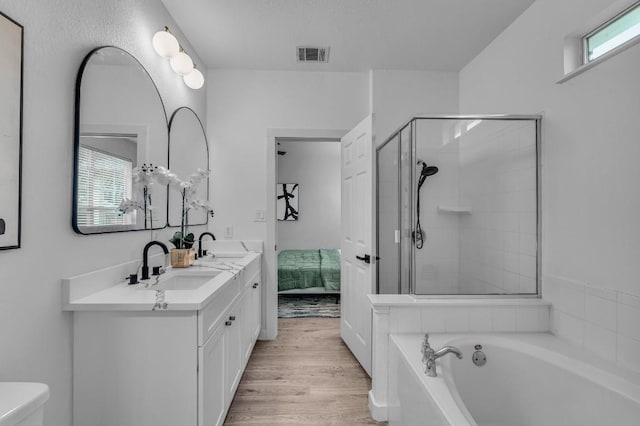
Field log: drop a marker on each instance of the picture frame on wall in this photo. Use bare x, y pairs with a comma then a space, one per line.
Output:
287, 201
11, 52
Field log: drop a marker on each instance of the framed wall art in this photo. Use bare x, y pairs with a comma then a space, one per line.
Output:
287, 201
11, 52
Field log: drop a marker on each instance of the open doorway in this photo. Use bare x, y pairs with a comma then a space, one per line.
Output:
308, 235
272, 245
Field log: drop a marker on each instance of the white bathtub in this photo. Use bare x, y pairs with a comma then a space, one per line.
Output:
528, 380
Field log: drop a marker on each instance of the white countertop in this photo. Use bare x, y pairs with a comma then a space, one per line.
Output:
124, 297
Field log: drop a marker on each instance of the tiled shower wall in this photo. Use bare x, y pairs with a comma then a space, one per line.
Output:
436, 265
602, 321
498, 240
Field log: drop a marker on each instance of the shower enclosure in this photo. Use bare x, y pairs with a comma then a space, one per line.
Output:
458, 206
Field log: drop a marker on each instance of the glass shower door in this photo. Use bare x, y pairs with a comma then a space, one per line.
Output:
388, 219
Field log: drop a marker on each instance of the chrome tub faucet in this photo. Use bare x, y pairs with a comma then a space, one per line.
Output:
429, 356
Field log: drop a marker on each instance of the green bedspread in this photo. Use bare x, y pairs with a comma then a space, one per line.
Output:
300, 269
330, 269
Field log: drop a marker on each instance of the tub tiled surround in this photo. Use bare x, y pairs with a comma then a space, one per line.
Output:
602, 321
409, 314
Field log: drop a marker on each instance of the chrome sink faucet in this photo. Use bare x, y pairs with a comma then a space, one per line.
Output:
429, 356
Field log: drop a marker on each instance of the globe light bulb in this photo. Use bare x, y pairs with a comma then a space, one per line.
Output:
181, 63
194, 79
165, 44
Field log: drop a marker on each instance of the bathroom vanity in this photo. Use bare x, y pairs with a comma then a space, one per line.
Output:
177, 365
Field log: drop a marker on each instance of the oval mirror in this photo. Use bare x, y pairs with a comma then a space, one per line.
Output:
188, 152
121, 133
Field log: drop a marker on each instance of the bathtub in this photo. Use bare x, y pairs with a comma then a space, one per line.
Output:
528, 380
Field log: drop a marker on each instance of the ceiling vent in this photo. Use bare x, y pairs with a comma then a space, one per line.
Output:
313, 54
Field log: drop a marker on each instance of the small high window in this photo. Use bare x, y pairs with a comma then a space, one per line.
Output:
614, 33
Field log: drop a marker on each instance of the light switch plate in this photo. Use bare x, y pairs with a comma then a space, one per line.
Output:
259, 215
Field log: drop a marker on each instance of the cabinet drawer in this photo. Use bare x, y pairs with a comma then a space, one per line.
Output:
209, 317
253, 280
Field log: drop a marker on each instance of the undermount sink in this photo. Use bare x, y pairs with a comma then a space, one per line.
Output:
187, 280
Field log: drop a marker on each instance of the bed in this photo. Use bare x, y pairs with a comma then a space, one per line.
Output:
309, 271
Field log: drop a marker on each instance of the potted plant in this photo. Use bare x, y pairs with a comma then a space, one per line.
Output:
183, 254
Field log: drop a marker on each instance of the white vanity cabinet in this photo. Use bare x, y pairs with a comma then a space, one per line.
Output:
168, 367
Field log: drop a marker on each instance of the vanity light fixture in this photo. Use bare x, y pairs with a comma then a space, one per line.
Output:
181, 63
165, 43
194, 79
167, 46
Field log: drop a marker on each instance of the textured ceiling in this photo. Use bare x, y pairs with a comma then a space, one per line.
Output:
363, 34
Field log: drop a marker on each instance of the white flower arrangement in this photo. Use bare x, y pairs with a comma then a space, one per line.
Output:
147, 175
143, 178
188, 189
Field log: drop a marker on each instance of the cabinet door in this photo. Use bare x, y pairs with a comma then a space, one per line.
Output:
211, 379
233, 348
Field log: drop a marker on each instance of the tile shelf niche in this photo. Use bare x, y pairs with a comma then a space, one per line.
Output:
454, 209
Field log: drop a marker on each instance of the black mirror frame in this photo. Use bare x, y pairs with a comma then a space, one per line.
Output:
206, 142
18, 242
76, 143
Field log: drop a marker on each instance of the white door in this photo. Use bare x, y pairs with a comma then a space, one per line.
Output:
357, 278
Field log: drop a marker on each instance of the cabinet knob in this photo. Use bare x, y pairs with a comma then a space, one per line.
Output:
232, 317
228, 323
255, 285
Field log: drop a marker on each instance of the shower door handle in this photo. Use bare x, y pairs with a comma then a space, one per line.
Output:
366, 258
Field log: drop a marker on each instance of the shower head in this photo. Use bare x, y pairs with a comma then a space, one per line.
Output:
427, 170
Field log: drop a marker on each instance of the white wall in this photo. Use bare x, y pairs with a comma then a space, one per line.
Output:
36, 335
591, 236
397, 96
315, 167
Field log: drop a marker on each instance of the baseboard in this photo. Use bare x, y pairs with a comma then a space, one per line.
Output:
379, 412
266, 334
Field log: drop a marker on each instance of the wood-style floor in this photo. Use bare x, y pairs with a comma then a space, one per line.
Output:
307, 376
